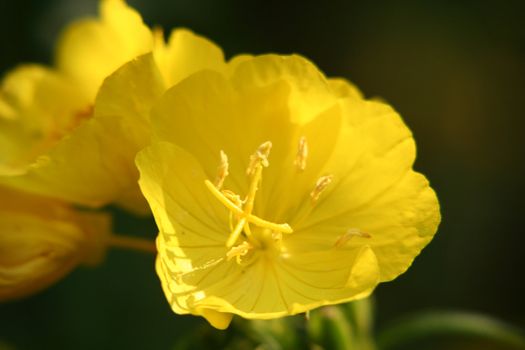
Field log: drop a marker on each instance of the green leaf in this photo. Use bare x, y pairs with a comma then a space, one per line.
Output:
449, 324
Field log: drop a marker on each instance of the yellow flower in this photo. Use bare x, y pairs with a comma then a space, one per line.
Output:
277, 190
66, 134
41, 240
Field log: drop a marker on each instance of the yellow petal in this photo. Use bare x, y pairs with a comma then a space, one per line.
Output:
193, 225
95, 164
298, 283
312, 279
37, 107
408, 219
309, 93
191, 263
212, 116
219, 320
91, 49
236, 115
265, 290
287, 189
171, 178
38, 206
185, 54
374, 191
343, 88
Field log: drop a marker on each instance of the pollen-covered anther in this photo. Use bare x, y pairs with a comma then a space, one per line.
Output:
321, 184
302, 154
259, 157
348, 235
238, 251
222, 170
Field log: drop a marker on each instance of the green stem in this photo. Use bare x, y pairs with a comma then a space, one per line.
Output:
360, 313
338, 330
457, 324
132, 243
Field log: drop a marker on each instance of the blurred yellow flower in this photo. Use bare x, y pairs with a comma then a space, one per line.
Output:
66, 134
277, 190
41, 240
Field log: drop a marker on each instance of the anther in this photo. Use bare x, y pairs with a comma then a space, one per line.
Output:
222, 170
259, 157
302, 153
353, 232
321, 184
238, 251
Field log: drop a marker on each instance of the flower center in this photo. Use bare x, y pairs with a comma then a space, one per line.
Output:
248, 231
265, 233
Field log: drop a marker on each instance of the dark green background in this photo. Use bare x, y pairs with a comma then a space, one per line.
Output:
455, 70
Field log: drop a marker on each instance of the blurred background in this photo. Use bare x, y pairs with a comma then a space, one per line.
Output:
455, 70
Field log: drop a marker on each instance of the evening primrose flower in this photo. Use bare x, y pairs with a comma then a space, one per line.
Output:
42, 240
42, 104
277, 191
72, 131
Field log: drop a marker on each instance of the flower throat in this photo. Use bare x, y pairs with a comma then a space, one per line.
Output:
266, 235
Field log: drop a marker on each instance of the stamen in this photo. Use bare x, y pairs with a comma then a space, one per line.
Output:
321, 184
353, 232
259, 157
236, 233
284, 228
238, 251
236, 200
302, 153
242, 210
222, 170
257, 161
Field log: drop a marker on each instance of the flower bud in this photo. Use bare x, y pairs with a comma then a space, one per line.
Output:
42, 240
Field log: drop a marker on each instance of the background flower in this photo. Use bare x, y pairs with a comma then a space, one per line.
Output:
41, 240
65, 139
